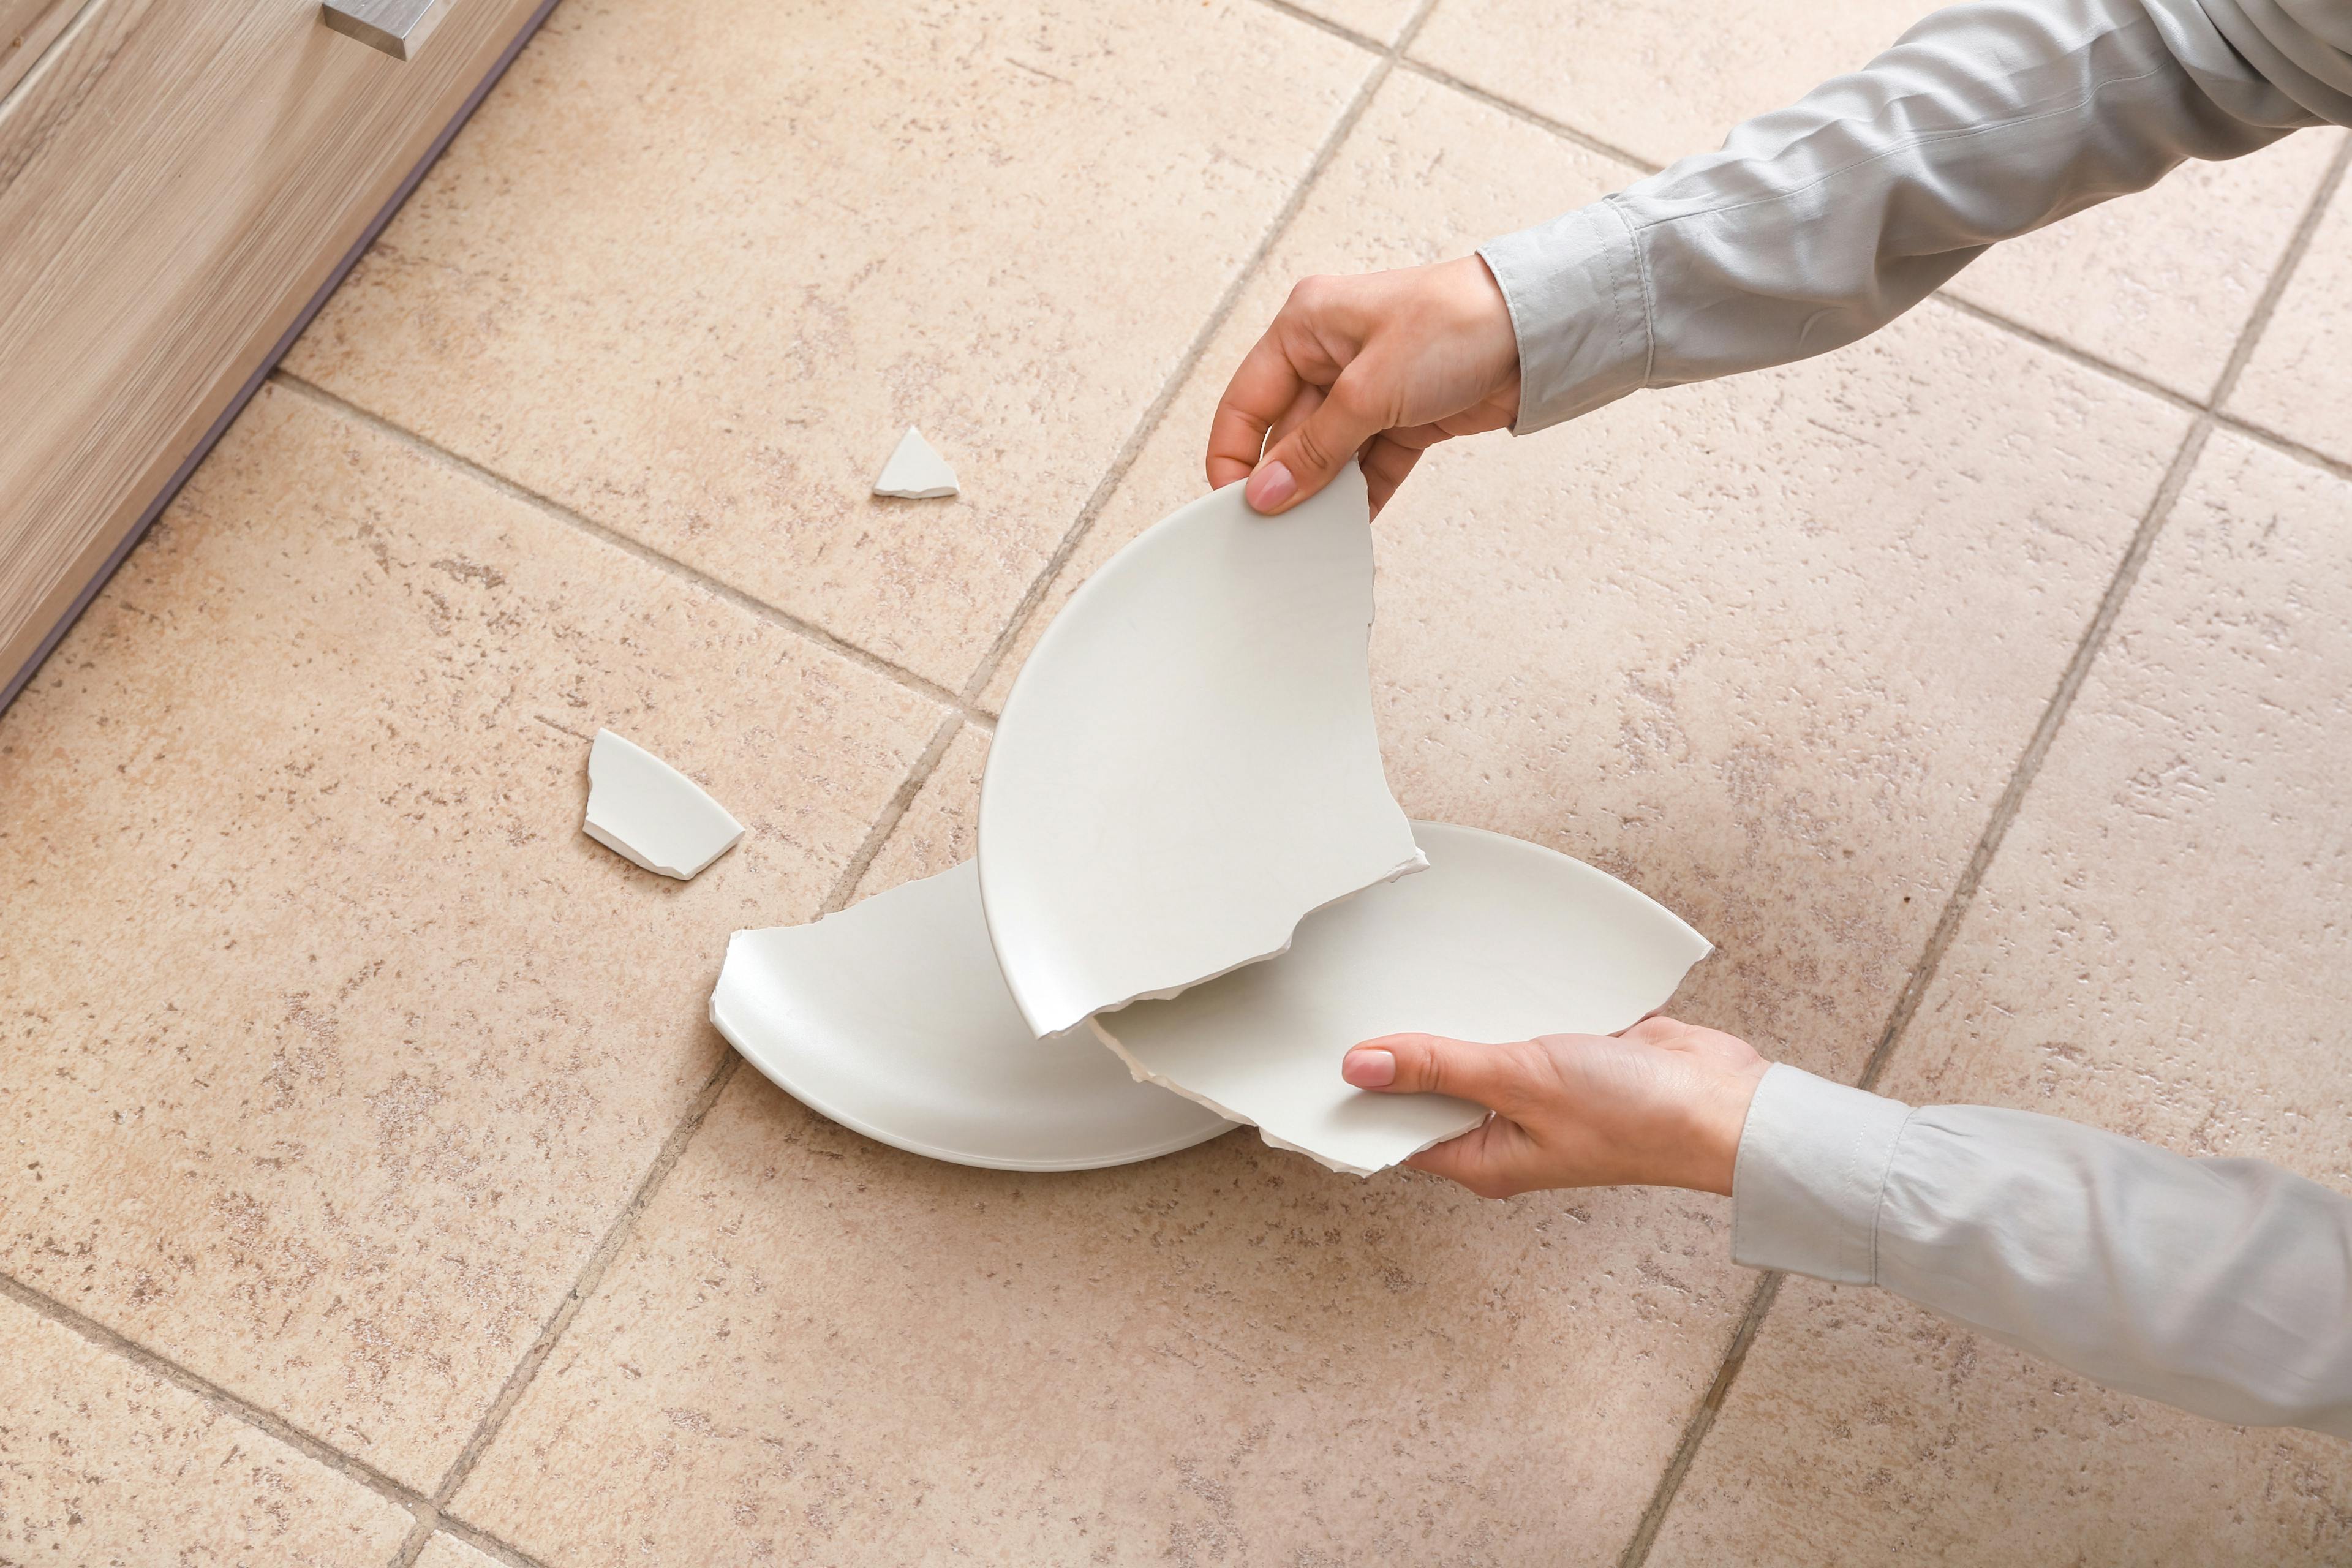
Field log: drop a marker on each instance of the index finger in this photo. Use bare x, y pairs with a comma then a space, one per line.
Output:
1261, 392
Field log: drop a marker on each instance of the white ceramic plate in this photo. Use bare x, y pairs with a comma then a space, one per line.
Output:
1499, 940
1187, 765
891, 1019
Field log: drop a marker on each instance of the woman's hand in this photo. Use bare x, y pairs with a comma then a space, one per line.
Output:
1660, 1105
1386, 365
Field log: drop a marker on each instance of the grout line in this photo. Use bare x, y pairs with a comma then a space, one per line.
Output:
427, 1516
649, 1186
592, 1274
557, 511
419, 1536
2012, 800
2064, 350
1363, 41
1956, 904
2297, 245
2286, 447
919, 774
483, 1542
1702, 1420
1541, 122
1149, 423
214, 1396
2078, 669
2009, 803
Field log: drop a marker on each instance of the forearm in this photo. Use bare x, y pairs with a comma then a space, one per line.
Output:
1819, 223
2220, 1286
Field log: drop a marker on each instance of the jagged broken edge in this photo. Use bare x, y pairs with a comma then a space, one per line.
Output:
1420, 862
1145, 1074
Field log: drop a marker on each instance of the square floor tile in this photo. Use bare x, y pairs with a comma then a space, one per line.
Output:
2157, 950
818, 1349
2160, 282
333, 1046
103, 1462
1766, 648
693, 268
2299, 382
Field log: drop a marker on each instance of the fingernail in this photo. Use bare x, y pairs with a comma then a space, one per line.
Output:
1369, 1069
1270, 487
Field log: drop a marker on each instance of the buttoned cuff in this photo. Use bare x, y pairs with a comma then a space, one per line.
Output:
1811, 1172
1580, 311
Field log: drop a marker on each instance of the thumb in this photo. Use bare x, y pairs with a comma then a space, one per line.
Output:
1309, 456
1491, 1076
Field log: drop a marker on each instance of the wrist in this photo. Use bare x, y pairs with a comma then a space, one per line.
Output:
1718, 1119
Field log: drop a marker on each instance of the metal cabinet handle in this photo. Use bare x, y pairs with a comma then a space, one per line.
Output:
395, 26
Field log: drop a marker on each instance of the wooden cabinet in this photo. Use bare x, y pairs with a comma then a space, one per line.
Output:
180, 183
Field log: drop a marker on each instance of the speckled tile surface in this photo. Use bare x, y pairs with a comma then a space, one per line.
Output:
102, 1462
936, 832
1866, 1431
821, 1350
702, 313
2158, 950
333, 1046
2299, 382
334, 1051
448, 1551
1657, 80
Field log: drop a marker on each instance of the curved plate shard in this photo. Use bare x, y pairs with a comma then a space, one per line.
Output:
651, 815
1499, 940
1188, 765
891, 1019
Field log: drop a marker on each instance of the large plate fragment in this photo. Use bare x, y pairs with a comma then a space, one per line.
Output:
891, 1019
1499, 940
1187, 767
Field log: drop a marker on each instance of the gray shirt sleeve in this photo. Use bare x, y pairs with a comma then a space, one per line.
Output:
1819, 223
2221, 1285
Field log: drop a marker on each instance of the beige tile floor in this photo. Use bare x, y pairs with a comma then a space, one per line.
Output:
381, 1194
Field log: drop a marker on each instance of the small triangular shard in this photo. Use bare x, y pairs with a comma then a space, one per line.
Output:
916, 470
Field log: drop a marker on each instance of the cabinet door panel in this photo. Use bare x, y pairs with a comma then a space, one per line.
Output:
177, 180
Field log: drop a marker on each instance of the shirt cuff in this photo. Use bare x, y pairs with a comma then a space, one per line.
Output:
1580, 311
1812, 1168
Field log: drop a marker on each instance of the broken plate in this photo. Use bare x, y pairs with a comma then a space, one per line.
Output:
1499, 940
916, 470
647, 812
1187, 765
891, 1019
